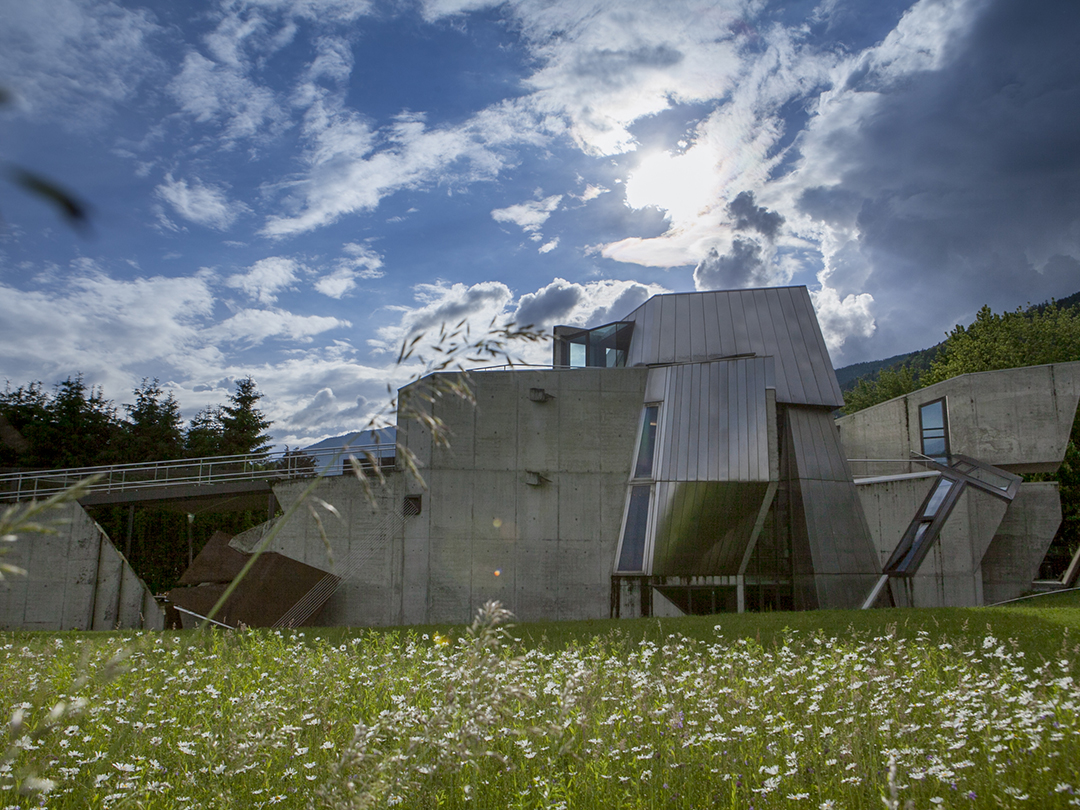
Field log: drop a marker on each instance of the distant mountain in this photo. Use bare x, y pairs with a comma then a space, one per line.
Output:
849, 375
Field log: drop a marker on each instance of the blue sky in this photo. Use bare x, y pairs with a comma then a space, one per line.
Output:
288, 188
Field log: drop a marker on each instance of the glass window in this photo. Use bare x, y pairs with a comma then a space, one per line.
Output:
632, 556
935, 436
913, 550
603, 347
943, 487
647, 448
988, 477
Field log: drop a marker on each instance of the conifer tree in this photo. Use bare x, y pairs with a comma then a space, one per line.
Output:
154, 431
242, 423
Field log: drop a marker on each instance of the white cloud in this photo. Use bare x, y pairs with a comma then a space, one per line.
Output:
589, 304
842, 318
266, 278
364, 260
216, 92
337, 284
199, 203
442, 305
591, 192
732, 150
106, 327
344, 177
547, 247
75, 61
601, 69
360, 262
605, 66
529, 216
253, 326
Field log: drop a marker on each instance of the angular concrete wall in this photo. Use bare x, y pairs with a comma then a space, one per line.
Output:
365, 546
524, 506
1018, 419
951, 574
1012, 561
76, 580
533, 487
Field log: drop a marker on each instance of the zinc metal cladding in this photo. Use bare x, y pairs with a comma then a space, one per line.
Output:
714, 423
777, 322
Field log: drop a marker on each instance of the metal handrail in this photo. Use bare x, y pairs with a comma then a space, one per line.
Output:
27, 484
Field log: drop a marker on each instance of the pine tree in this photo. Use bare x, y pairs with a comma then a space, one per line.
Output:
243, 423
154, 430
82, 429
203, 437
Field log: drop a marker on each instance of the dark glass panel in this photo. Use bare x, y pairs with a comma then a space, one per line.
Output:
632, 556
943, 487
647, 448
912, 550
933, 415
933, 446
935, 440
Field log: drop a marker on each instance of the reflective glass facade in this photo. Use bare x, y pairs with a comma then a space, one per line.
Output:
647, 447
603, 347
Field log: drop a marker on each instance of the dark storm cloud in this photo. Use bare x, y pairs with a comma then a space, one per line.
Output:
618, 67
962, 182
630, 299
749, 216
743, 266
548, 305
747, 263
456, 308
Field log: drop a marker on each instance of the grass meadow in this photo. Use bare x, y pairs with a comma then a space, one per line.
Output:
950, 708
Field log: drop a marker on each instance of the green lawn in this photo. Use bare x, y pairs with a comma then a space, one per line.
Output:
973, 707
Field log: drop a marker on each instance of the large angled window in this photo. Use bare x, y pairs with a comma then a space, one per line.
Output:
647, 446
924, 529
632, 551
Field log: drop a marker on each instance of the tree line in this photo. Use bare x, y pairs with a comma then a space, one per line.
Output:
1046, 333
1040, 334
74, 425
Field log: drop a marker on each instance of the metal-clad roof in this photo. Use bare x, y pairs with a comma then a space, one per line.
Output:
774, 322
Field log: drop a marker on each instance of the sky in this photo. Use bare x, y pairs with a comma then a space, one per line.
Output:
288, 189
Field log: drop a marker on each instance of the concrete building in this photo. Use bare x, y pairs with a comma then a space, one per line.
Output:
683, 459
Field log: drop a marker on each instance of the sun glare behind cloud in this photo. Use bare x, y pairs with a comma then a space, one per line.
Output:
681, 185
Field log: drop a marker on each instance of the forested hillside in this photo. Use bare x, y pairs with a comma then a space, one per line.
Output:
918, 361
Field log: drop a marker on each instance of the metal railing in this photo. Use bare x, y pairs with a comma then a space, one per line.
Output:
279, 465
884, 467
